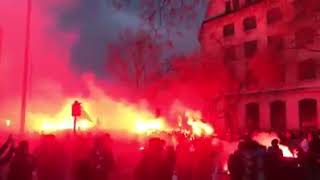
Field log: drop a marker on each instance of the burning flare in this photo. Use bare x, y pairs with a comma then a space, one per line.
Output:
147, 126
61, 121
265, 140
199, 128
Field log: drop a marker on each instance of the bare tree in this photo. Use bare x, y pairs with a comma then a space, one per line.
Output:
137, 58
164, 16
132, 58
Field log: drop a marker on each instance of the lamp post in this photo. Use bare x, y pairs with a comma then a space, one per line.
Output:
25, 69
1, 41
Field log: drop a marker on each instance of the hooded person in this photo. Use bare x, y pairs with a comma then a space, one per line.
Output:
153, 164
23, 163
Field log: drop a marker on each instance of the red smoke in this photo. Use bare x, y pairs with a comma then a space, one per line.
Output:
53, 80
51, 77
196, 81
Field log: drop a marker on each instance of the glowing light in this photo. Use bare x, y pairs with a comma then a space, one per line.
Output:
225, 168
8, 122
84, 124
180, 122
146, 126
67, 124
51, 127
286, 151
60, 121
121, 116
199, 128
265, 140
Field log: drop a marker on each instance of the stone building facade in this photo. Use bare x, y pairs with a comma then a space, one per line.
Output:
274, 39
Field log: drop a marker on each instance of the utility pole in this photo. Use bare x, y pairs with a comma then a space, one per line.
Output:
1, 41
25, 69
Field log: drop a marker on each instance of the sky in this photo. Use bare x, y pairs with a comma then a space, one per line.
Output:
92, 23
99, 23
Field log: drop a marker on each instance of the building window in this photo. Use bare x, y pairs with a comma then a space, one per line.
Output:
301, 7
307, 70
250, 48
228, 30
249, 2
276, 43
282, 73
228, 7
278, 115
308, 113
274, 15
252, 116
304, 36
230, 53
236, 4
249, 23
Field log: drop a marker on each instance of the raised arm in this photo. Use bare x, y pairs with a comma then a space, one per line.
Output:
5, 159
5, 145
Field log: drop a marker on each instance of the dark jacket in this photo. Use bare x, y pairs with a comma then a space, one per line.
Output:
21, 167
6, 158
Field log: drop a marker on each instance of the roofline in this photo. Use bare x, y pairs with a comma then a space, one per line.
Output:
278, 90
212, 18
232, 12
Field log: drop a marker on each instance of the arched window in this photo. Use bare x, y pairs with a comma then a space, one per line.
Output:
308, 113
278, 115
252, 116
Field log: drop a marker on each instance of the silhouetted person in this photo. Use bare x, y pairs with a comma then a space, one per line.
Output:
82, 167
314, 145
235, 163
22, 164
170, 159
50, 160
275, 150
5, 158
202, 168
305, 142
184, 160
274, 158
313, 160
83, 170
8, 147
152, 165
102, 159
252, 156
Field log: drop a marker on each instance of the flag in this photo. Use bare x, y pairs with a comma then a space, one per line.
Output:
85, 115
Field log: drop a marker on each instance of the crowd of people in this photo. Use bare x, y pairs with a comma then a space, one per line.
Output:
253, 161
53, 159
95, 157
